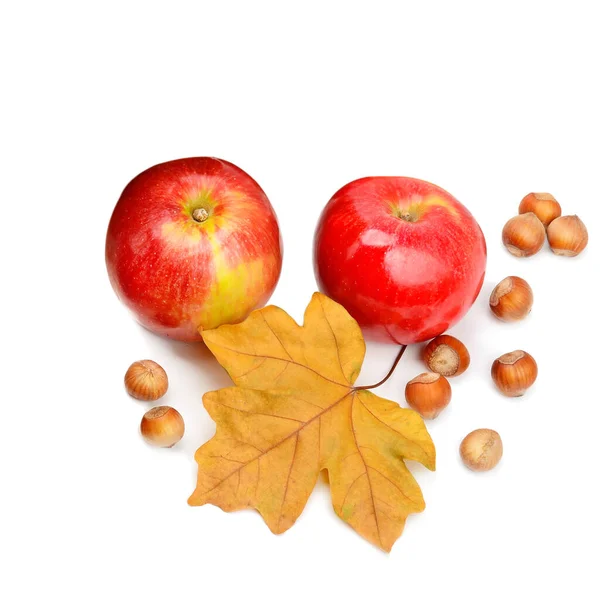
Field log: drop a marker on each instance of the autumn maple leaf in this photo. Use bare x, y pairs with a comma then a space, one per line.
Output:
294, 412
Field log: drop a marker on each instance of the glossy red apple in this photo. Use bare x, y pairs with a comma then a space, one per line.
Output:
404, 257
193, 243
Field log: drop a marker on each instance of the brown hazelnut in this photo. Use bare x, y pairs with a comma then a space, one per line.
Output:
162, 426
146, 380
523, 235
511, 299
428, 394
567, 236
481, 450
446, 355
514, 373
543, 206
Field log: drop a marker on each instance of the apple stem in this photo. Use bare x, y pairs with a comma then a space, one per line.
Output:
200, 215
370, 387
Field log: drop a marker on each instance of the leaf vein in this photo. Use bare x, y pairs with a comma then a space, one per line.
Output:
344, 385
262, 314
282, 441
260, 364
335, 341
287, 482
388, 479
225, 458
250, 412
351, 486
394, 430
366, 470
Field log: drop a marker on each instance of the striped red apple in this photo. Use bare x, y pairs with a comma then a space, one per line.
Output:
192, 244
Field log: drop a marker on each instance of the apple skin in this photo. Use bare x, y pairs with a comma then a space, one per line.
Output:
403, 256
178, 275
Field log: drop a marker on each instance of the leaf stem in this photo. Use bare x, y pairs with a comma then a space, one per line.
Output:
370, 387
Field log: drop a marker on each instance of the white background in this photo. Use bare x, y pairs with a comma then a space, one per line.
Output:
488, 100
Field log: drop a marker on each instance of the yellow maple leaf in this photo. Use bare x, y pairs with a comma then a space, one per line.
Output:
294, 412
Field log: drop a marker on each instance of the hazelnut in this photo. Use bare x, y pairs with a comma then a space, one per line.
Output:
567, 236
447, 356
514, 373
162, 426
428, 394
523, 235
146, 380
511, 299
481, 450
543, 206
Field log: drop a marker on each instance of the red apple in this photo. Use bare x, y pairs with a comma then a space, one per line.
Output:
193, 243
403, 256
